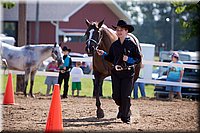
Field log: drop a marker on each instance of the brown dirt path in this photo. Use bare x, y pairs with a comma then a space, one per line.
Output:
79, 114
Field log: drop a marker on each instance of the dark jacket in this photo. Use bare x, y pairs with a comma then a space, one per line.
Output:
117, 50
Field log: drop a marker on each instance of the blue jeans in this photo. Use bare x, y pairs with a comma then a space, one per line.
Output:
142, 90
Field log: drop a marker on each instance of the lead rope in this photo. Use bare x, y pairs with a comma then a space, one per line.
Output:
103, 60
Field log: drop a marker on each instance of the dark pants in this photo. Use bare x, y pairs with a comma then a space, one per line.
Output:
64, 76
122, 87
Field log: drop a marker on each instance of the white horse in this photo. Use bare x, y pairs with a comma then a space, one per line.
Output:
28, 58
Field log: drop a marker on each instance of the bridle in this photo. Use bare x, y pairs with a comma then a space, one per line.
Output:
97, 43
54, 54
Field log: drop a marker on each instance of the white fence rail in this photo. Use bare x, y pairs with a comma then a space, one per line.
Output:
155, 63
149, 81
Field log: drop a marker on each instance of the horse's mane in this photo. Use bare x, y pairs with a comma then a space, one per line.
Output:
28, 45
105, 27
39, 45
134, 38
109, 31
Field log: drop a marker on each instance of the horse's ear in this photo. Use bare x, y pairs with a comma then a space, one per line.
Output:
87, 22
55, 44
60, 44
100, 23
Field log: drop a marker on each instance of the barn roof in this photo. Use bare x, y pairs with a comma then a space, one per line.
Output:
59, 11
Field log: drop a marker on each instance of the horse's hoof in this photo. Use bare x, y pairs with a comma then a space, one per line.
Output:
33, 96
100, 113
25, 95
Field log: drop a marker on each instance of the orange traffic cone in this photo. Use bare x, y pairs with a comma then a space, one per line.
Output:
9, 93
54, 121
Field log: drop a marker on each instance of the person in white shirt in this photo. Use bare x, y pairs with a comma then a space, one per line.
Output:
76, 80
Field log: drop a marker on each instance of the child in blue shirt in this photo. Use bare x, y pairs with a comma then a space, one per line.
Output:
174, 74
64, 72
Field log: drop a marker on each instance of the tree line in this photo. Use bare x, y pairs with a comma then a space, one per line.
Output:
153, 21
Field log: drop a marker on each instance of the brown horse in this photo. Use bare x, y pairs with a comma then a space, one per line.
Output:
100, 36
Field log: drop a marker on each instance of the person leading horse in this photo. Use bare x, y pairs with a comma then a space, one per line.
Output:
99, 36
123, 54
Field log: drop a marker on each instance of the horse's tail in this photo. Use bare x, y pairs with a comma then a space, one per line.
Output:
137, 66
135, 40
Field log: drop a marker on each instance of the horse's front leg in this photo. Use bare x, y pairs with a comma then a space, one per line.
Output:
98, 83
32, 82
26, 77
4, 65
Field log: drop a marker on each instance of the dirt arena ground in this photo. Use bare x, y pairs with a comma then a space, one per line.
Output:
79, 115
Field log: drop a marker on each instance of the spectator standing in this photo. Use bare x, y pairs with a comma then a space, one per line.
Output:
64, 71
51, 80
174, 74
76, 80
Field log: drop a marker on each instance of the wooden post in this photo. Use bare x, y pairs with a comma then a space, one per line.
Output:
37, 23
22, 33
22, 39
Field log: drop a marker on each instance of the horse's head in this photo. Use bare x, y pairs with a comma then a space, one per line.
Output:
93, 36
57, 53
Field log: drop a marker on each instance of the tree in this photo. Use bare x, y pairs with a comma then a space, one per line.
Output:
152, 22
8, 4
190, 17
149, 20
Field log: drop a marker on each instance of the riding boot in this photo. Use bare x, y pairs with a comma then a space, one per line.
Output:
127, 119
119, 115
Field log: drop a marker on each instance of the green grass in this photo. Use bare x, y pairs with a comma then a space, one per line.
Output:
87, 87
156, 58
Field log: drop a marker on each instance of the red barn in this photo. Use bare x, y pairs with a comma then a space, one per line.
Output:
63, 21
